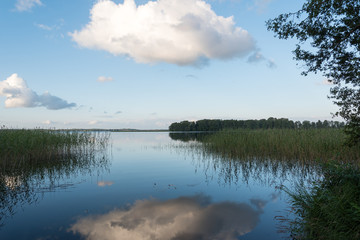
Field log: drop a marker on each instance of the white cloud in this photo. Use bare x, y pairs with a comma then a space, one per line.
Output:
26, 5
104, 79
93, 122
186, 32
18, 94
257, 56
260, 5
181, 218
47, 122
43, 26
271, 63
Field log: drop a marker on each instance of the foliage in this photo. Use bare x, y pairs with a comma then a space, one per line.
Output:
270, 123
331, 209
328, 33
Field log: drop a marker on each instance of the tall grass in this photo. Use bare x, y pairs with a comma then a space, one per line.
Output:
327, 209
38, 145
331, 208
305, 145
36, 161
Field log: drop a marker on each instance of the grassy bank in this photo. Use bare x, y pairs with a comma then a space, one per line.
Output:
306, 145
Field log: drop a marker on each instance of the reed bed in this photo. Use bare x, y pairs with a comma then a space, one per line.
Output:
330, 209
39, 144
305, 145
327, 209
37, 161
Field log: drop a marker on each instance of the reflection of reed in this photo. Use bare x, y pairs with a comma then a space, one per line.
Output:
24, 180
277, 153
230, 170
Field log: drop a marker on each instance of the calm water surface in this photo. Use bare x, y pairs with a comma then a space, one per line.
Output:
149, 186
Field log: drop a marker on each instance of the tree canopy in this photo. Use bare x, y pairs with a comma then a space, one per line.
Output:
270, 123
328, 34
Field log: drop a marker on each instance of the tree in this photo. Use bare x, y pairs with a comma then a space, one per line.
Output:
328, 32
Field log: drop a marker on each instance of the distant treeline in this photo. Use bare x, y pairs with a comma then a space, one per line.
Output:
270, 123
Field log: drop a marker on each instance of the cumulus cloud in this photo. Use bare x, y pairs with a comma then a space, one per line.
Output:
104, 79
183, 218
186, 32
26, 5
18, 94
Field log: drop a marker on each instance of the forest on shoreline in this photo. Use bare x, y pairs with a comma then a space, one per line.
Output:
270, 123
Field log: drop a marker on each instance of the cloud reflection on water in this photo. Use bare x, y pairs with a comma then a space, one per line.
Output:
104, 183
183, 218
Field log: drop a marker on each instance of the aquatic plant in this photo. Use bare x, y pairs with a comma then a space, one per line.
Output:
331, 208
35, 145
305, 145
38, 160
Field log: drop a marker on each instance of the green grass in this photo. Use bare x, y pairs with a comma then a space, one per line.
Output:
18, 145
305, 145
331, 208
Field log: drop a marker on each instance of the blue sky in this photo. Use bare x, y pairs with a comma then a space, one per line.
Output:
145, 64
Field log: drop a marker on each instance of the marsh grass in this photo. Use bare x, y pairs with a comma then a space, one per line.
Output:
327, 208
36, 161
38, 145
304, 145
326, 202
331, 208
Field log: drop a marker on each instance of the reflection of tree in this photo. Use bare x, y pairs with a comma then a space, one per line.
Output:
182, 218
189, 136
23, 183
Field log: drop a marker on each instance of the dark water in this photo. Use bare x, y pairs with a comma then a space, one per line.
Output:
149, 186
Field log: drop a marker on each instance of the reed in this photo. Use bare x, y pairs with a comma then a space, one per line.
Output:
305, 145
38, 160
327, 209
39, 145
331, 208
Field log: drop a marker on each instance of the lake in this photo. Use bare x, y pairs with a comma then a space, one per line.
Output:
151, 186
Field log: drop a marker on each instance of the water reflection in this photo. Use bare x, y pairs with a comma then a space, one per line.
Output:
227, 171
183, 218
26, 182
189, 136
105, 183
